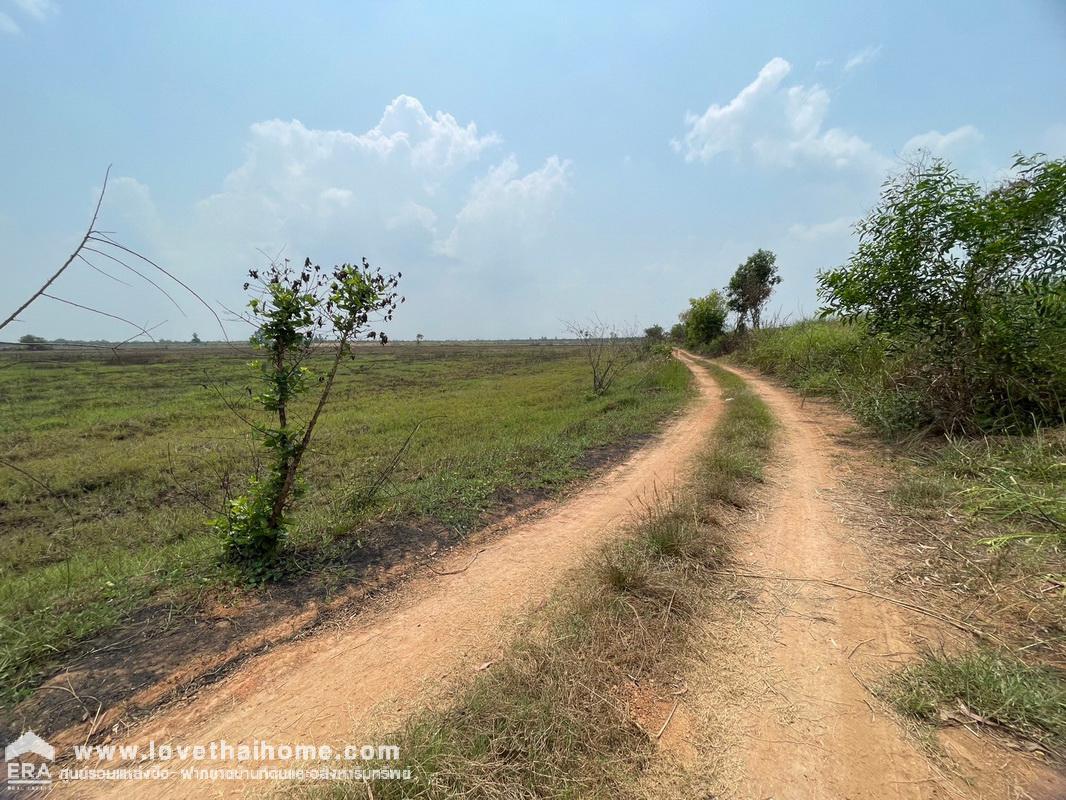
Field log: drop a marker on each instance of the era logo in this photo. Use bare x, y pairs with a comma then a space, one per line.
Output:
27, 773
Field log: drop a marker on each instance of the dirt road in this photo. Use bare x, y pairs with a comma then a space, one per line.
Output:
339, 686
813, 730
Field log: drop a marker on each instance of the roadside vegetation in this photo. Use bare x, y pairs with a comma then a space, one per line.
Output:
114, 464
986, 688
944, 334
553, 714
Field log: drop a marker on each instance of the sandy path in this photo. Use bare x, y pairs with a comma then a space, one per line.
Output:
815, 731
342, 685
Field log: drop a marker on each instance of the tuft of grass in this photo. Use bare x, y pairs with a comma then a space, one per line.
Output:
550, 718
989, 686
1015, 483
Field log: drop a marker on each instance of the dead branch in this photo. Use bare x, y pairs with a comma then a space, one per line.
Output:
957, 623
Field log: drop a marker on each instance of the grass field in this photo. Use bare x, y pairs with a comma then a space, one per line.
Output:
112, 467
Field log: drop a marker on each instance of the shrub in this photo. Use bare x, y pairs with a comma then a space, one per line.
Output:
705, 319
296, 313
966, 291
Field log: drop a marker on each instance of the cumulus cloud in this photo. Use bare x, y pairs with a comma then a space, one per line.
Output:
505, 208
777, 125
862, 58
722, 128
939, 143
416, 193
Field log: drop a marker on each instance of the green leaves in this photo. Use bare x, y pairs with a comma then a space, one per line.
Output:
296, 313
751, 286
969, 284
705, 319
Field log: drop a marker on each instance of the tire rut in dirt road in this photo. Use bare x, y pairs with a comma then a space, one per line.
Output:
814, 731
350, 683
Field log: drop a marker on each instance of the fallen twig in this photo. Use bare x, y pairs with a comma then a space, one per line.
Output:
669, 717
457, 571
957, 623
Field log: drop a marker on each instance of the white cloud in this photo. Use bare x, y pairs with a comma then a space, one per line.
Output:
862, 58
504, 209
8, 25
939, 143
412, 194
40, 10
822, 230
722, 128
778, 125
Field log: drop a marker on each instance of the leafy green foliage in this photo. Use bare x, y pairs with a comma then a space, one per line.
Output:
33, 342
293, 313
704, 320
654, 333
968, 290
751, 286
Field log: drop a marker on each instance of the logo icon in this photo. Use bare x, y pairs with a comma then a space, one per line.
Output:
21, 772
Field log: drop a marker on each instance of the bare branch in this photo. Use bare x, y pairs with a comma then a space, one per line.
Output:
88, 233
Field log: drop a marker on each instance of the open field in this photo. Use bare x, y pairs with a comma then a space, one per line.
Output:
114, 466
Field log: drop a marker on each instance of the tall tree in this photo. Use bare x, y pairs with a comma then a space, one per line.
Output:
751, 286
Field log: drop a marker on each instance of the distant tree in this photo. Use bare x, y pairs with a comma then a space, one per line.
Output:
677, 333
195, 338
655, 333
751, 286
705, 319
33, 342
418, 338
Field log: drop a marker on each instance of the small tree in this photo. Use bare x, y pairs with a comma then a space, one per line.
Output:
608, 353
195, 338
751, 286
294, 311
655, 333
704, 320
418, 338
677, 332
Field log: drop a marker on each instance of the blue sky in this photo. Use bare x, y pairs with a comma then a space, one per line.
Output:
521, 164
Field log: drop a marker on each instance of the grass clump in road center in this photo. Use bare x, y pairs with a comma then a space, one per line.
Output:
985, 687
551, 718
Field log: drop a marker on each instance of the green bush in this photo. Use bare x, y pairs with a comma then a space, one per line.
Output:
965, 292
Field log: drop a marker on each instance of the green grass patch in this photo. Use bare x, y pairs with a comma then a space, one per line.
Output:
985, 685
549, 719
1016, 483
133, 456
832, 359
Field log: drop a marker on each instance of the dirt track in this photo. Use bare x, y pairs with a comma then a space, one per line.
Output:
813, 730
339, 686
801, 723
